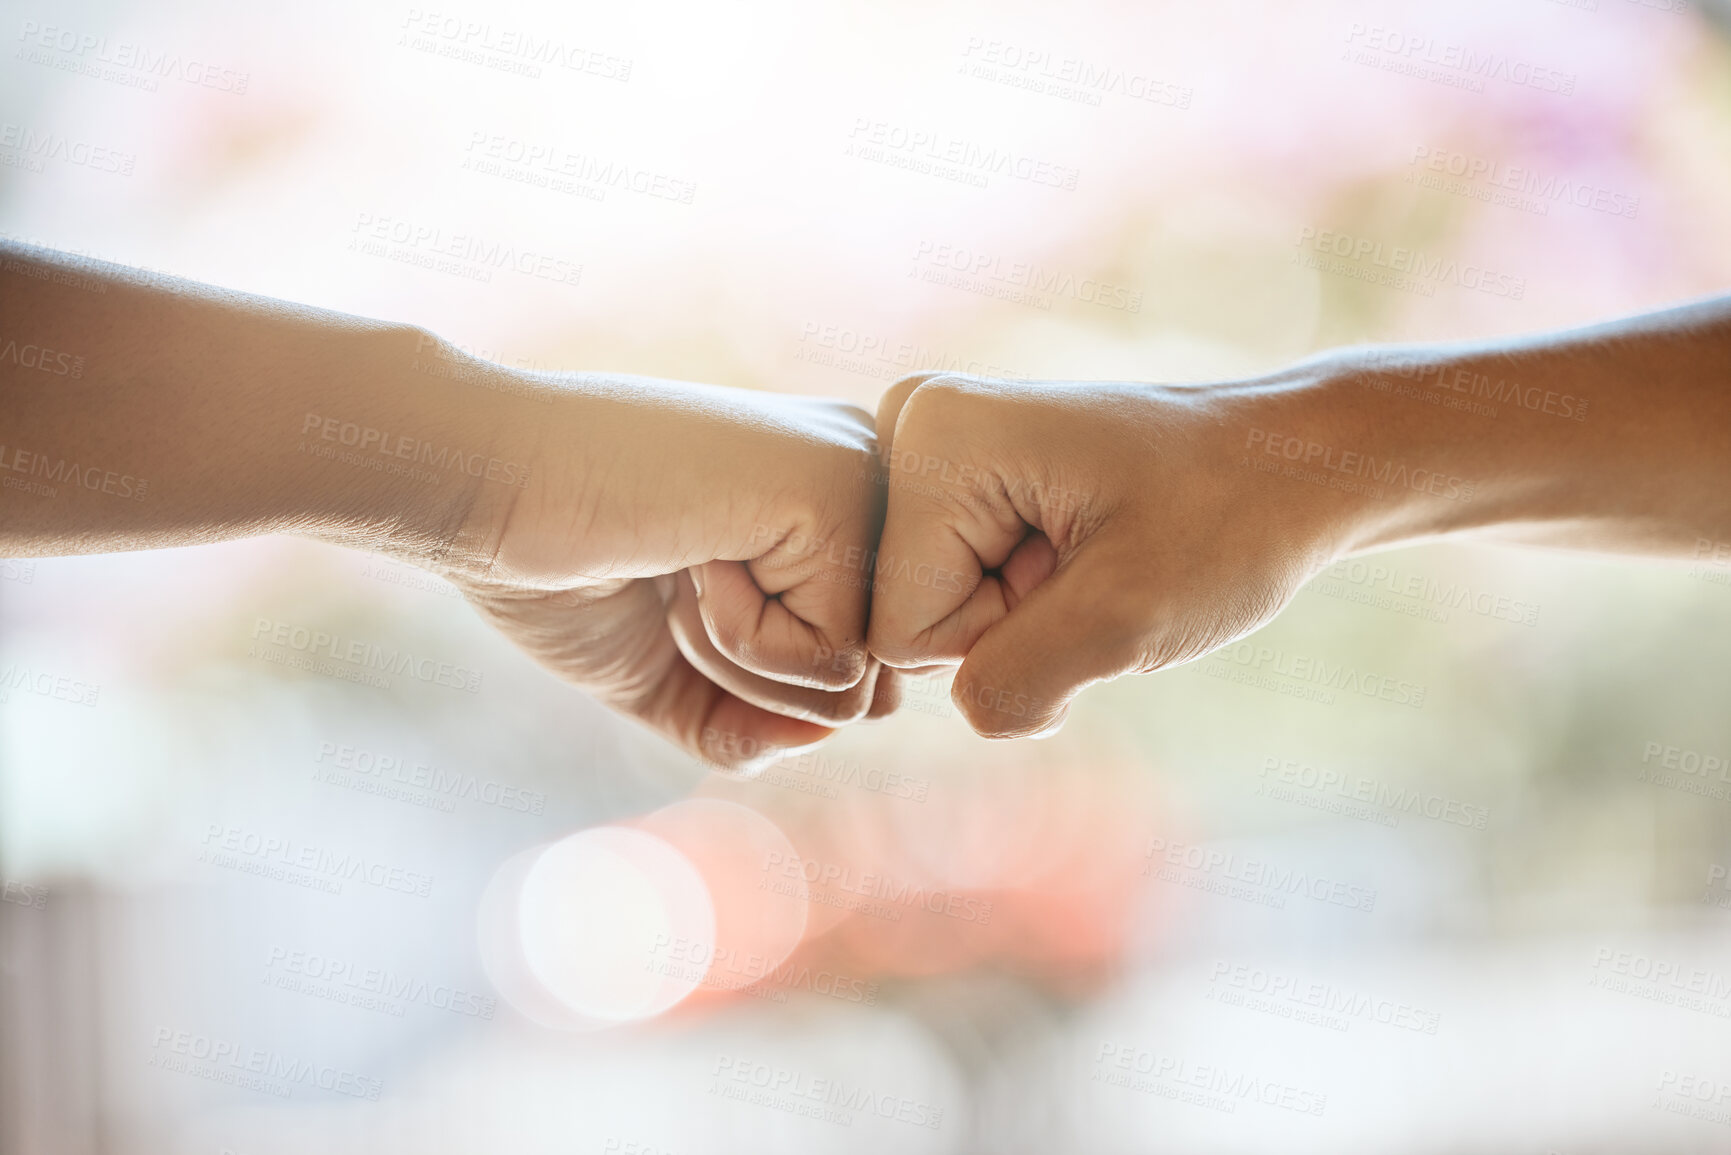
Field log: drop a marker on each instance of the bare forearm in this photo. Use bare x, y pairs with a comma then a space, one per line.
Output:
608, 525
1615, 437
139, 413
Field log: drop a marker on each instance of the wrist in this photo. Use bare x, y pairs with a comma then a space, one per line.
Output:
1393, 463
1393, 450
1292, 457
410, 448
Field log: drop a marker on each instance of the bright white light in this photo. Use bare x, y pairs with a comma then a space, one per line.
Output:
585, 933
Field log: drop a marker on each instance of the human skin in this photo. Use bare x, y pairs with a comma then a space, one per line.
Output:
1049, 535
646, 540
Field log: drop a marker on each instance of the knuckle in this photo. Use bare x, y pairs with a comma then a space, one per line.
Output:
904, 388
938, 398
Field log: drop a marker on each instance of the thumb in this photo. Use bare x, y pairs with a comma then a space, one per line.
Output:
1078, 627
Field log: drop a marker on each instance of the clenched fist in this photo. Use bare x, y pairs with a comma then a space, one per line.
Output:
660, 557
1047, 536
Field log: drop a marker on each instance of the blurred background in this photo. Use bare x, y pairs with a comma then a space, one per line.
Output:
252, 908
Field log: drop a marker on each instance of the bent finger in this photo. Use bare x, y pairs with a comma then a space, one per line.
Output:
691, 631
